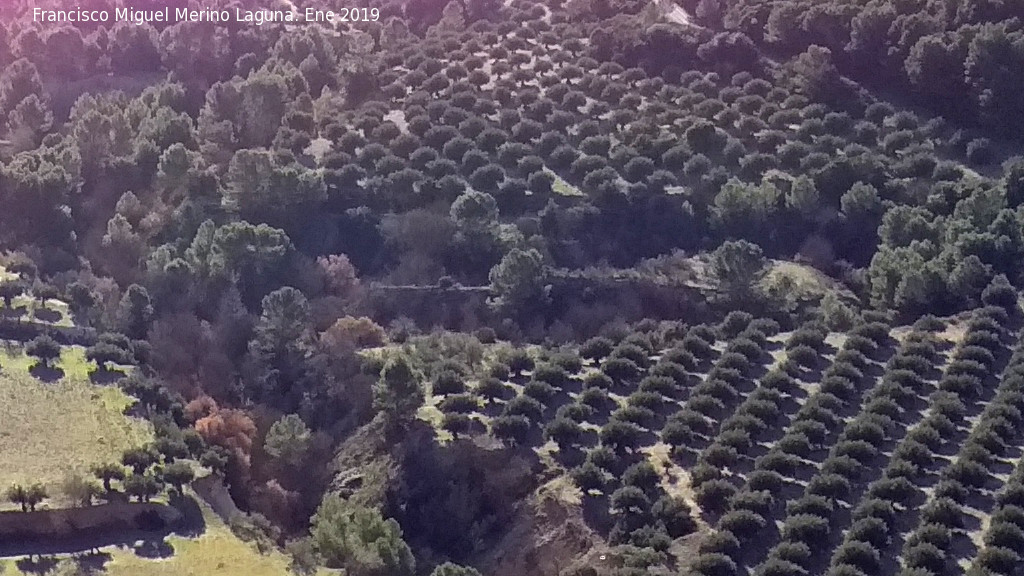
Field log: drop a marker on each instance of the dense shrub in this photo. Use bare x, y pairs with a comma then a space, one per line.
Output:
814, 504
720, 542
682, 357
675, 514
511, 428
860, 554
596, 348
448, 382
540, 391
807, 528
714, 495
759, 501
765, 480
491, 388
745, 524
524, 406
596, 398
734, 323
462, 403
713, 565
697, 347
925, 555
803, 356
620, 369
519, 361
674, 372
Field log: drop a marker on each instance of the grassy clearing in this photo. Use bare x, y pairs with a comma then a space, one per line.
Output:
54, 312
563, 188
218, 552
50, 429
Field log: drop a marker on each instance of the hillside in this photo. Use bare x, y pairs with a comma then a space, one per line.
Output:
497, 287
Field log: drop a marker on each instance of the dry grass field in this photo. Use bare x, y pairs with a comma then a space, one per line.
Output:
48, 429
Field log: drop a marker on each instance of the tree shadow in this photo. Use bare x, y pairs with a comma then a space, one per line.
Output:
561, 398
685, 456
572, 386
570, 456
13, 313
37, 564
48, 374
103, 376
95, 561
153, 549
588, 438
597, 513
47, 315
100, 526
811, 373
961, 547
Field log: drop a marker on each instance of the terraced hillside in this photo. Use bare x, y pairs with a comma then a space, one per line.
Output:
880, 449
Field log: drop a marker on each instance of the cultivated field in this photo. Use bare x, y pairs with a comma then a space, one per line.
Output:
48, 429
797, 452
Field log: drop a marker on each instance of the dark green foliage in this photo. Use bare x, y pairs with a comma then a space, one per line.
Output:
760, 501
643, 476
519, 360
460, 403
935, 534
925, 555
733, 361
680, 356
815, 504
734, 323
745, 524
697, 347
943, 511
803, 356
638, 415
596, 398
720, 542
553, 374
999, 560
448, 382
765, 325
540, 390
596, 348
806, 528
456, 423
512, 428
563, 431
620, 369
766, 480
714, 495
631, 352
450, 569
526, 406
872, 531
675, 373
713, 564
575, 412
805, 337
659, 385
705, 404
860, 554
43, 347
588, 476
491, 388
780, 566
620, 434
